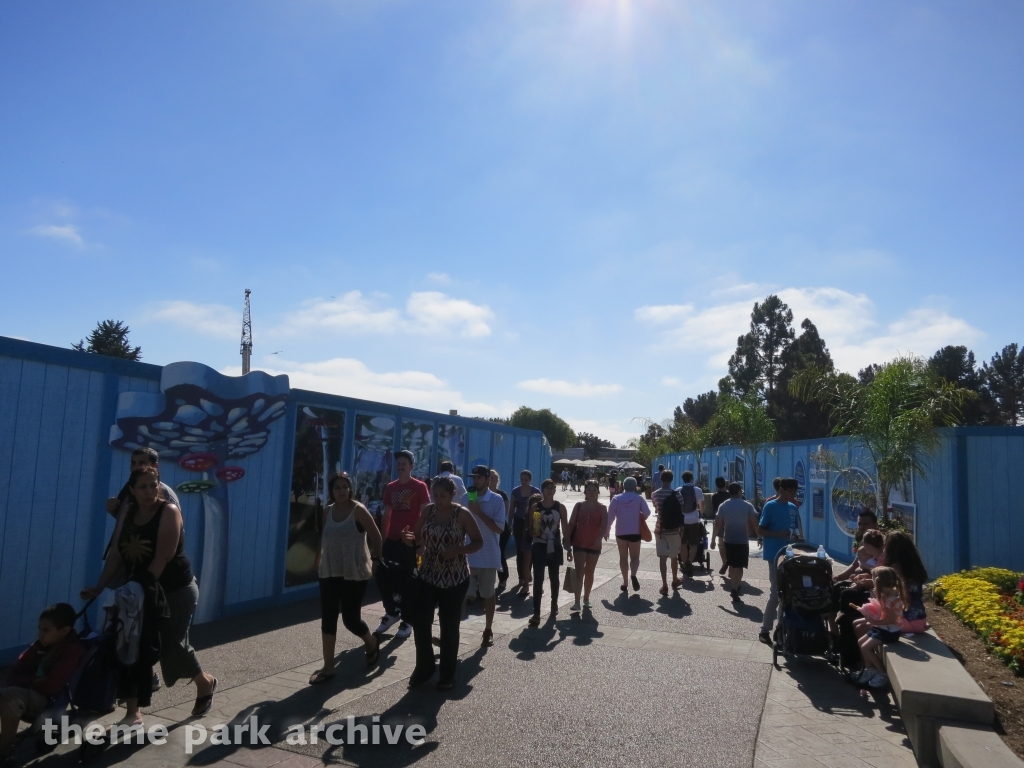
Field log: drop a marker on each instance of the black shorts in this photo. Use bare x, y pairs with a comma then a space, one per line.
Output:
694, 533
737, 555
631, 537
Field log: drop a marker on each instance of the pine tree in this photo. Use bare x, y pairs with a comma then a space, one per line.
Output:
956, 365
1004, 381
110, 338
758, 360
798, 419
700, 410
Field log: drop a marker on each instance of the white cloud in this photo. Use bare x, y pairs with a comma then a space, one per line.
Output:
616, 431
663, 313
207, 319
434, 312
847, 322
427, 312
671, 381
63, 233
441, 278
568, 388
352, 378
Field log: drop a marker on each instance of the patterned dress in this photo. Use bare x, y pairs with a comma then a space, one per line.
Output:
437, 537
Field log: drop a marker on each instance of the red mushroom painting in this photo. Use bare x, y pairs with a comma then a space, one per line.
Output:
201, 419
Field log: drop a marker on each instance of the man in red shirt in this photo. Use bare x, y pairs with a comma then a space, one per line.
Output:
403, 500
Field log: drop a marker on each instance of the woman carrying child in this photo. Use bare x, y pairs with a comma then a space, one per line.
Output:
879, 624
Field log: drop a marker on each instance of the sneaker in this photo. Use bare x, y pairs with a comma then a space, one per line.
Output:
864, 676
879, 680
386, 623
404, 630
574, 608
765, 638
586, 603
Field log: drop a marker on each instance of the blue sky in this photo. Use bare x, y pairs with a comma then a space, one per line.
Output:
480, 205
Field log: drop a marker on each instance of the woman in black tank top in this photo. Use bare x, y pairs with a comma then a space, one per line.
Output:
150, 538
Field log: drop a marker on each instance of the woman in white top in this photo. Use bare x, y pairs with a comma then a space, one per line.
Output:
626, 511
345, 565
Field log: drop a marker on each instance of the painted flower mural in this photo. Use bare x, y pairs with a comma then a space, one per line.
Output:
205, 422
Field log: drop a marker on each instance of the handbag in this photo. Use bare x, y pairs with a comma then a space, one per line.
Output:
569, 583
645, 532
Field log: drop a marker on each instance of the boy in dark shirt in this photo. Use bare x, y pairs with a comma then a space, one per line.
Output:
40, 672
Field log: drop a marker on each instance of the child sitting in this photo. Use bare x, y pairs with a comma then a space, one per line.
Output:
40, 672
851, 586
883, 630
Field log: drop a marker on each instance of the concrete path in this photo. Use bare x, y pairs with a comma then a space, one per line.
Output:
638, 680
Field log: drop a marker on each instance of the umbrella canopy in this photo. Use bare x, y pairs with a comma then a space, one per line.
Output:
629, 465
565, 463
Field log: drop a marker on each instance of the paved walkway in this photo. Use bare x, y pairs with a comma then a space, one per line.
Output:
639, 679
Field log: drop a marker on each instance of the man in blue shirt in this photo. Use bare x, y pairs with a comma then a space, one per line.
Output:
774, 528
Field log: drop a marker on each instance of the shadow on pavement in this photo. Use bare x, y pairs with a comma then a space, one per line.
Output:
744, 611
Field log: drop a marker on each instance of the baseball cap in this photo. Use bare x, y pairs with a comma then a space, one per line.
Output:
481, 471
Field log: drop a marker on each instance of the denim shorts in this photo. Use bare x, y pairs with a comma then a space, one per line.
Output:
883, 635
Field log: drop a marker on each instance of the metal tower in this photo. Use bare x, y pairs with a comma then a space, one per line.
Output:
246, 335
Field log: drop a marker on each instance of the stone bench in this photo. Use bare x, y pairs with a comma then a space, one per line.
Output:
937, 696
967, 746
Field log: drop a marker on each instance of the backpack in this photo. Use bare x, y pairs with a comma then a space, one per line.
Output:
688, 499
671, 512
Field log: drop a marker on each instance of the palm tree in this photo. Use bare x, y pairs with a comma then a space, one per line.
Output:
744, 421
896, 415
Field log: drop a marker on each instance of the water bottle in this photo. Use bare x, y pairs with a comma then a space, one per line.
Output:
789, 551
821, 552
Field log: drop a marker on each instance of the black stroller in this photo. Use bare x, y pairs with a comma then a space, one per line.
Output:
805, 595
92, 688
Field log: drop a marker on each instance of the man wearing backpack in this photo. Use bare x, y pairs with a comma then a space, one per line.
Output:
691, 498
667, 531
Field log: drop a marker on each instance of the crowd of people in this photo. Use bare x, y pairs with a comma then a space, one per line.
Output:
437, 547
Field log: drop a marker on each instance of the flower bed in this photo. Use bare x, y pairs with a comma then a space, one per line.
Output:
989, 600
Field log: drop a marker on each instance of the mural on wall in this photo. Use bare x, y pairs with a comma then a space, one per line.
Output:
739, 470
852, 491
207, 423
800, 475
758, 481
451, 446
319, 437
906, 514
418, 437
705, 475
374, 438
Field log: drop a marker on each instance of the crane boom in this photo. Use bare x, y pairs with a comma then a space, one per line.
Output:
246, 335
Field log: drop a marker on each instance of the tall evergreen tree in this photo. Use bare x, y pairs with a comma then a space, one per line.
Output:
700, 410
758, 360
795, 418
1004, 381
110, 338
956, 365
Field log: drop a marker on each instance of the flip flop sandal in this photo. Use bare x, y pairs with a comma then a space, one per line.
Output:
663, 591
320, 677
204, 703
374, 656
488, 639
624, 588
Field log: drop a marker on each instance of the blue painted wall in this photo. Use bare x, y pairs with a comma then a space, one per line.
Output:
970, 512
57, 468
